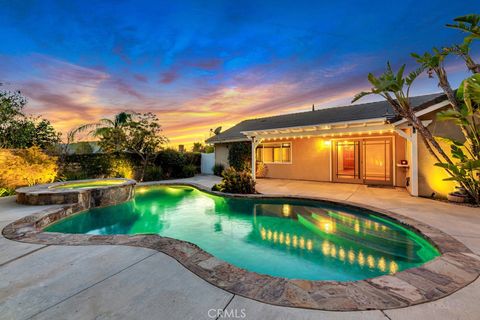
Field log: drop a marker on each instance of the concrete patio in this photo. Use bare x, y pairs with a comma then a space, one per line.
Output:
87, 282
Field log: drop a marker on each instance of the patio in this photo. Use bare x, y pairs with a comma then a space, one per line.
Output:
43, 282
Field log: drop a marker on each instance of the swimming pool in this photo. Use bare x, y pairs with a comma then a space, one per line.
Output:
89, 184
296, 239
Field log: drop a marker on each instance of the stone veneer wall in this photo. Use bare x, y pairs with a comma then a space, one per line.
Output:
83, 198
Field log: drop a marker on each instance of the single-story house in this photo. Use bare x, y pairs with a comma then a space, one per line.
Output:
364, 143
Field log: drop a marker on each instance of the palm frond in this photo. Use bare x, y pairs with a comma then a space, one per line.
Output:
360, 95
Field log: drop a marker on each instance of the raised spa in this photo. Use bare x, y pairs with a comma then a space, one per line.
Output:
288, 238
88, 184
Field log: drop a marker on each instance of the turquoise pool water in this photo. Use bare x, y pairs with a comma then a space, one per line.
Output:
280, 237
88, 184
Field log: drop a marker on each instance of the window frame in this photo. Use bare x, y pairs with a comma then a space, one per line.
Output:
275, 143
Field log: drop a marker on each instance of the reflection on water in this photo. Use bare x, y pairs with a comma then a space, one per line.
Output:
329, 249
280, 237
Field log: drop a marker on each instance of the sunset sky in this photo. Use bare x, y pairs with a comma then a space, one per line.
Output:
203, 64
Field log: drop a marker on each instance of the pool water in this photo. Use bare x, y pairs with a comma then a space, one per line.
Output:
88, 184
280, 237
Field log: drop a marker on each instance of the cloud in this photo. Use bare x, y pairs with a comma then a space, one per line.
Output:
168, 77
140, 78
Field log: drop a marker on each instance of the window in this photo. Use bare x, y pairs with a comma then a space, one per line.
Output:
274, 152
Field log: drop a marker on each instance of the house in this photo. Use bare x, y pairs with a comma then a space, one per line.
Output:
364, 143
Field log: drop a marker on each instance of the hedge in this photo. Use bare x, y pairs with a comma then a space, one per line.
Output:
168, 164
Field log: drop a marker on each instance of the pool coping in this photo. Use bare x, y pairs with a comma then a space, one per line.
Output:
455, 268
45, 194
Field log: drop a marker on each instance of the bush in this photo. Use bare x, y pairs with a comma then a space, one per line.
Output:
5, 192
173, 163
26, 167
170, 162
218, 169
152, 173
121, 168
86, 166
83, 147
239, 155
236, 182
189, 171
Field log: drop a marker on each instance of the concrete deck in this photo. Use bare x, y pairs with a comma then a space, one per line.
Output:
87, 282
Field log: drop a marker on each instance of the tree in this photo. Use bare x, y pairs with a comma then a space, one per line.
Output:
198, 147
18, 130
108, 130
143, 137
464, 111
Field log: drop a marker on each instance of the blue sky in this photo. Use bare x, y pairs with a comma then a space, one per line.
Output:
199, 64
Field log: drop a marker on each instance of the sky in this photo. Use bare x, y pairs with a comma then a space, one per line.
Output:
203, 64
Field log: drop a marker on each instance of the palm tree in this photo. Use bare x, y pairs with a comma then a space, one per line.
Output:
107, 129
469, 24
105, 125
395, 88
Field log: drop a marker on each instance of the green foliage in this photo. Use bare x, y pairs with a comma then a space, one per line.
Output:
218, 169
236, 182
19, 131
5, 192
466, 168
469, 24
209, 149
463, 162
138, 133
87, 166
83, 148
172, 162
392, 86
198, 147
239, 155
189, 170
121, 168
152, 173
26, 167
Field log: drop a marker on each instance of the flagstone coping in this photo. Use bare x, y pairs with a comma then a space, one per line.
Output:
95, 196
454, 269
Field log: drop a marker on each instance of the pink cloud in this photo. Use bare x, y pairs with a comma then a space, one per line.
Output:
168, 77
140, 78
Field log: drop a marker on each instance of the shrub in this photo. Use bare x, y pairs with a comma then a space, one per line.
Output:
5, 192
172, 163
121, 168
152, 173
26, 167
239, 155
261, 170
83, 147
218, 169
236, 182
189, 171
86, 166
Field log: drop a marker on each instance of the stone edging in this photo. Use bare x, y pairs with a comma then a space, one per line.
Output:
454, 269
45, 194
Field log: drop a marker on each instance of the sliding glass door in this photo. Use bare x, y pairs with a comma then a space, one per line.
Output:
347, 161
377, 161
363, 161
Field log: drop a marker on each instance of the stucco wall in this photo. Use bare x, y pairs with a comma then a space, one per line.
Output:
221, 154
430, 177
310, 161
